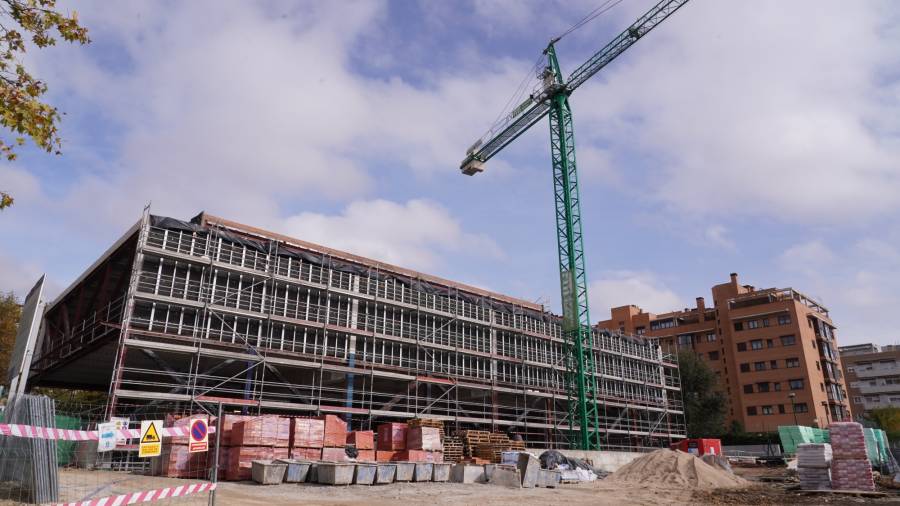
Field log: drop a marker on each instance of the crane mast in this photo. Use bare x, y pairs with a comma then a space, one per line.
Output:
552, 99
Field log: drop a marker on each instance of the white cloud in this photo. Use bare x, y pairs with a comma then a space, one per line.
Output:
742, 113
809, 258
621, 288
857, 281
414, 235
718, 235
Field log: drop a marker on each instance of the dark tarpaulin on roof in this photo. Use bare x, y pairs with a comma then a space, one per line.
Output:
173, 224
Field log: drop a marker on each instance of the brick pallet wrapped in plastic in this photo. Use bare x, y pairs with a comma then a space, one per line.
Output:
424, 438
335, 431
850, 467
386, 455
306, 453
176, 461
240, 459
361, 439
391, 437
813, 463
365, 455
228, 422
262, 431
307, 433
418, 456
335, 455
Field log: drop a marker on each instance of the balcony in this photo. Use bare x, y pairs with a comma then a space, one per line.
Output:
877, 371
776, 295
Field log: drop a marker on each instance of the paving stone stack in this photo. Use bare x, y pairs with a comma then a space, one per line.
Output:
850, 467
813, 463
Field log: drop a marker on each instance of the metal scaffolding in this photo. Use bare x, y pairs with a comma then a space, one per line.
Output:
210, 310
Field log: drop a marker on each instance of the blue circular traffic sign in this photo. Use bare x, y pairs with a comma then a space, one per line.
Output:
198, 430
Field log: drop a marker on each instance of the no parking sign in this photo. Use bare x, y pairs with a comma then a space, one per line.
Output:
199, 436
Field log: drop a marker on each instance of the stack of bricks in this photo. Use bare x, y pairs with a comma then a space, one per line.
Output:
307, 438
423, 444
390, 442
176, 461
428, 422
813, 462
256, 438
850, 467
335, 440
364, 441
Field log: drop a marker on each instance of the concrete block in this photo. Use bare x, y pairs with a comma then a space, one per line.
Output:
529, 469
467, 473
549, 478
506, 476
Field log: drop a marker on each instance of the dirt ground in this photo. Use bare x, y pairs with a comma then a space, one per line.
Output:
769, 488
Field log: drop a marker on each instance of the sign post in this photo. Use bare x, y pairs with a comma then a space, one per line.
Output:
199, 436
151, 442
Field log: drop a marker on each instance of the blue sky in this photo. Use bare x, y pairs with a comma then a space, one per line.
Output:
756, 137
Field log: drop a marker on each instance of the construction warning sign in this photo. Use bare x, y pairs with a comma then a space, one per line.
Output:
151, 442
199, 436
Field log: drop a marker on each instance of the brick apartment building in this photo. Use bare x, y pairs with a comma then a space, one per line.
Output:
774, 350
872, 374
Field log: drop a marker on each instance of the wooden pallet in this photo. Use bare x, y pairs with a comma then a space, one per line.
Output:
471, 439
453, 449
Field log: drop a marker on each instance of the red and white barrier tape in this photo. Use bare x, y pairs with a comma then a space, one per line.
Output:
33, 432
145, 496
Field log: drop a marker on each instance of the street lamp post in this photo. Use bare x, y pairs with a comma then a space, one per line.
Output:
792, 395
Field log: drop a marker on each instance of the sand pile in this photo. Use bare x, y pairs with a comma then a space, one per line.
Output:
674, 468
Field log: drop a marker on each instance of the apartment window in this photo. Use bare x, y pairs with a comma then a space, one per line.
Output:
781, 409
777, 386
857, 400
748, 389
796, 384
714, 355
756, 344
801, 407
792, 362
765, 322
770, 343
639, 330
759, 366
762, 387
773, 364
662, 324
818, 367
850, 369
685, 339
738, 326
753, 324
767, 410
751, 410
742, 346
788, 340
745, 367
784, 319
710, 338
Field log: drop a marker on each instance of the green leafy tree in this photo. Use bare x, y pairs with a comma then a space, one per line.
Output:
888, 419
10, 312
704, 402
25, 23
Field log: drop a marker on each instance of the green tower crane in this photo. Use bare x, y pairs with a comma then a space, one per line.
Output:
552, 99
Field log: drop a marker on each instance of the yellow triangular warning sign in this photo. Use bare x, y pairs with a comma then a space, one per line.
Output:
151, 436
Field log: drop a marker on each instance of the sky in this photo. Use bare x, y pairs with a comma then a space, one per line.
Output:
761, 138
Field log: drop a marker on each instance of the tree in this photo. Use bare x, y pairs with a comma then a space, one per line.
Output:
22, 111
888, 419
10, 312
704, 402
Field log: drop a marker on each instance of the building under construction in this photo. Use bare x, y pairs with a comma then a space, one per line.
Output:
210, 311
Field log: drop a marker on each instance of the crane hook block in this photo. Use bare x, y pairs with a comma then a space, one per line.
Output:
471, 166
